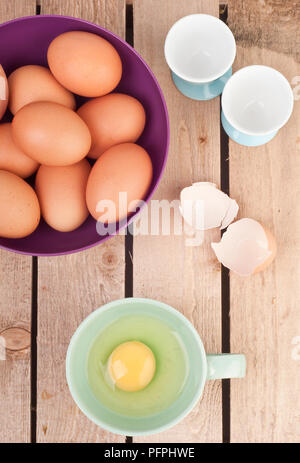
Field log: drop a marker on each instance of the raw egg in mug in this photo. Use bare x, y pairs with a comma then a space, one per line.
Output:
137, 366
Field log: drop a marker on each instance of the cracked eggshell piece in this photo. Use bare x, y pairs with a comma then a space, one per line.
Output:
246, 247
203, 206
3, 92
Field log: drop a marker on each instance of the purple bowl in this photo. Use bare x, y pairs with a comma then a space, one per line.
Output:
25, 41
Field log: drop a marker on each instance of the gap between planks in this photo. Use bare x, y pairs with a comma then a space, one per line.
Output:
129, 37
225, 274
34, 328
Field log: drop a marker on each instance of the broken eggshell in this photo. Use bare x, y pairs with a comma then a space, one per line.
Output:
203, 206
3, 92
246, 247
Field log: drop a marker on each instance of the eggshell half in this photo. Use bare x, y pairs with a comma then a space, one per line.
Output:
36, 83
61, 192
84, 63
125, 169
112, 119
246, 247
272, 248
19, 207
51, 134
203, 206
3, 92
12, 158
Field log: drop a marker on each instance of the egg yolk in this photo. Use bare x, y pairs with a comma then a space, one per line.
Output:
131, 366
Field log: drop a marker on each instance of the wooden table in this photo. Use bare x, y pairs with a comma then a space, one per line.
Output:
43, 300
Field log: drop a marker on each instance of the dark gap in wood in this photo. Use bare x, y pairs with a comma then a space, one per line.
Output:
129, 24
33, 363
128, 263
34, 315
225, 275
129, 231
223, 12
129, 235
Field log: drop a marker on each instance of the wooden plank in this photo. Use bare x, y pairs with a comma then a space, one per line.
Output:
71, 287
187, 278
15, 315
265, 181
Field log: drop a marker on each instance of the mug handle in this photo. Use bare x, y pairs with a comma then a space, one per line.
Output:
222, 366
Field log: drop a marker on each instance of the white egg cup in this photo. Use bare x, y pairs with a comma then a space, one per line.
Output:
200, 50
256, 102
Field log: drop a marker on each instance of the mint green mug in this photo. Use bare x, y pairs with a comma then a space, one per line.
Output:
202, 367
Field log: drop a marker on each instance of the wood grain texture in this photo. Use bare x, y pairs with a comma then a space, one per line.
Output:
187, 278
71, 287
265, 407
282, 19
15, 314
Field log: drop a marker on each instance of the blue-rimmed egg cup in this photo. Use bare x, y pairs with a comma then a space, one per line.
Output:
200, 50
256, 102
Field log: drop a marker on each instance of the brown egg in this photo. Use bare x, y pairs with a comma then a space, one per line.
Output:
61, 192
19, 207
3, 92
51, 134
125, 169
36, 83
12, 158
84, 63
112, 119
